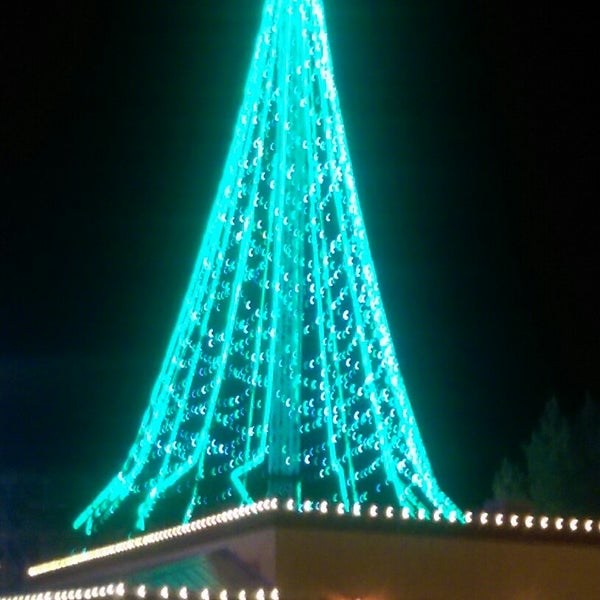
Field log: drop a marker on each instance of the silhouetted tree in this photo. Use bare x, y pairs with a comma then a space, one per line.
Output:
559, 471
510, 486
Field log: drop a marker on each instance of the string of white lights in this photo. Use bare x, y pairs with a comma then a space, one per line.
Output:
121, 590
521, 523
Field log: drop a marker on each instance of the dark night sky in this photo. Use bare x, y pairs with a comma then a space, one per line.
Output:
471, 134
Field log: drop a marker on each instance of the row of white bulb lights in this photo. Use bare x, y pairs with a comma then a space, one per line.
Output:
543, 522
228, 516
371, 511
119, 590
513, 521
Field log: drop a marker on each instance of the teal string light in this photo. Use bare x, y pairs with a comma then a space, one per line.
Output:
281, 376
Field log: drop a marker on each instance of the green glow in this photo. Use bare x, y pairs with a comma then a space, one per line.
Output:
280, 376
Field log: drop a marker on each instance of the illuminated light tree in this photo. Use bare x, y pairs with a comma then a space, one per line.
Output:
280, 377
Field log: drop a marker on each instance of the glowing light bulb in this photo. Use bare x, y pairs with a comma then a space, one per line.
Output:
573, 524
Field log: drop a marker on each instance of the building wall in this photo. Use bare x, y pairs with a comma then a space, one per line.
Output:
380, 566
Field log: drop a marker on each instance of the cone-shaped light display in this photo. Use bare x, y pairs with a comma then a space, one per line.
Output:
281, 376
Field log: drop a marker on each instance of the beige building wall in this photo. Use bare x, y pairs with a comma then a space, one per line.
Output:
378, 566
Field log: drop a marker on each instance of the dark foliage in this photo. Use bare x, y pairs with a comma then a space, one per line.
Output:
559, 469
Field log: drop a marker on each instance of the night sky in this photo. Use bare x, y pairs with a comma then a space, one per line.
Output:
471, 131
